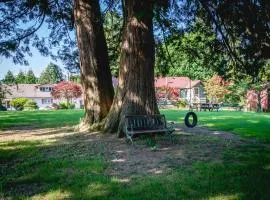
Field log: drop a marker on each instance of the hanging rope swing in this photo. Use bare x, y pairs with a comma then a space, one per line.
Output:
191, 118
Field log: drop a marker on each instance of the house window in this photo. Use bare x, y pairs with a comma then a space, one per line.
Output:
47, 101
183, 93
196, 92
45, 89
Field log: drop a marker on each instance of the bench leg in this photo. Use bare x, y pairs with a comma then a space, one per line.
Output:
169, 133
129, 138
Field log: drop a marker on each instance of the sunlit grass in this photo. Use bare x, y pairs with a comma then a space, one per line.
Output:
42, 119
256, 125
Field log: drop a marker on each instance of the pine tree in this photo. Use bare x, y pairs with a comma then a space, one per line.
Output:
30, 77
21, 78
52, 74
9, 78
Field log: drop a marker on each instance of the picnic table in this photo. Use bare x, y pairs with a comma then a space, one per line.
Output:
207, 106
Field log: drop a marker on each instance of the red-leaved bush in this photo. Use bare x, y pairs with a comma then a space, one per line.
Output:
252, 99
66, 90
167, 92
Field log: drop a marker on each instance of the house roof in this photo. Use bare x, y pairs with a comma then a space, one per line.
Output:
175, 82
27, 91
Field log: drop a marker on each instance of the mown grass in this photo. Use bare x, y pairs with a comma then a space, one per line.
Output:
42, 119
76, 169
246, 124
72, 170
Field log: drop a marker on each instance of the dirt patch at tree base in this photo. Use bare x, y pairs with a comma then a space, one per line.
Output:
145, 157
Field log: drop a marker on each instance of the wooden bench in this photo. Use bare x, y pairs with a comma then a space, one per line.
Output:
136, 125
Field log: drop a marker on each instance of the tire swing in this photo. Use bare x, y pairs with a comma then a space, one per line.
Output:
190, 113
194, 119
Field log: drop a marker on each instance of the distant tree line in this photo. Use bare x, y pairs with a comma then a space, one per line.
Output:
51, 74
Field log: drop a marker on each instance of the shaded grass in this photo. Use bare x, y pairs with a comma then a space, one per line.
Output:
256, 125
46, 170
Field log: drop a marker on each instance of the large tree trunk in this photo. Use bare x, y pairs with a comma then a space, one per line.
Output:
96, 76
135, 93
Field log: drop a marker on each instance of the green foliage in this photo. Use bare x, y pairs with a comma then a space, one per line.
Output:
181, 103
21, 78
194, 54
75, 78
30, 77
18, 103
66, 105
30, 105
51, 74
9, 78
112, 29
237, 93
245, 37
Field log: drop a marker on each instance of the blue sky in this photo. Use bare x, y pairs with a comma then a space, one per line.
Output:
37, 63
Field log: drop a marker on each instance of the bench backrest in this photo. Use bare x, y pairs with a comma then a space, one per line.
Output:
145, 122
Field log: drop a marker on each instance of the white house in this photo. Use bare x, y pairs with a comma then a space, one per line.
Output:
192, 91
40, 93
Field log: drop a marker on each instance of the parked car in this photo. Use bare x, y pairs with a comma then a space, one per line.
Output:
3, 108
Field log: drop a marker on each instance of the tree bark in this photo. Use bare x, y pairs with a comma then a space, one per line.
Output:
96, 79
135, 93
259, 101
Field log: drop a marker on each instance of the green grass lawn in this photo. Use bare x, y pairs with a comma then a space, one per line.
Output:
245, 124
44, 170
74, 168
42, 119
40, 170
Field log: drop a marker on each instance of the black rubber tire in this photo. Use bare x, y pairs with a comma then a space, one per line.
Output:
195, 119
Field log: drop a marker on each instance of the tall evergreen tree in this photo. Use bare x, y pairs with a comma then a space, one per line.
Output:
9, 78
96, 78
30, 77
51, 74
135, 92
21, 78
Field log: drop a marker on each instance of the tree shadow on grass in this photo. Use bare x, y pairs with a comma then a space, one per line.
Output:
74, 167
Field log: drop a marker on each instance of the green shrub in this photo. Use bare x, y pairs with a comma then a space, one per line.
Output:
30, 105
65, 105
18, 103
181, 104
